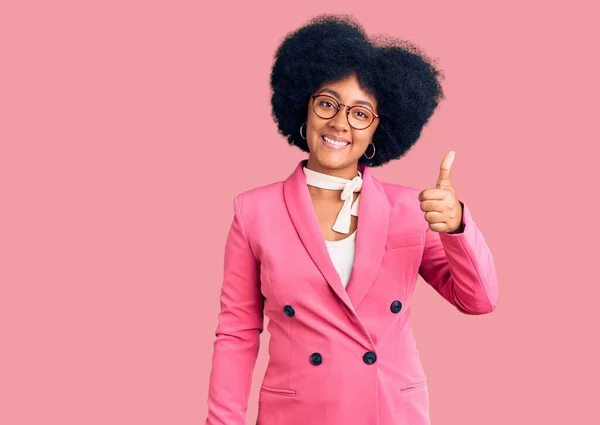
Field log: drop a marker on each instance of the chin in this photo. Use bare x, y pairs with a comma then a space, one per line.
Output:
334, 161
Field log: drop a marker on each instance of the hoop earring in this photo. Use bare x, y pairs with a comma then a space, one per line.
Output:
304, 137
370, 157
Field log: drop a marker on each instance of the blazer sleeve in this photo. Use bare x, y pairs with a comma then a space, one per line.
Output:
240, 323
460, 267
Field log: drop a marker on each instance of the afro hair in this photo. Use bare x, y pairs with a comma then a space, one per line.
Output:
330, 48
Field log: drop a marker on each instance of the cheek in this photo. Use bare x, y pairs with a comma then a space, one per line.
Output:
313, 139
313, 126
362, 140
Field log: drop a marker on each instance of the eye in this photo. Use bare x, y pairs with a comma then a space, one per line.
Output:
362, 114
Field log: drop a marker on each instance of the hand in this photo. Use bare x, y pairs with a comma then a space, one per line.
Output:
443, 210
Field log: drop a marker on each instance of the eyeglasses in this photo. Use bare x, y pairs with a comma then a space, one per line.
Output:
359, 117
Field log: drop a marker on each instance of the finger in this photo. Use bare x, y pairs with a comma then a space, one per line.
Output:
435, 217
432, 205
432, 194
445, 168
439, 227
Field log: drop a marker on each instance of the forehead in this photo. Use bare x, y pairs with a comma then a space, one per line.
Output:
348, 90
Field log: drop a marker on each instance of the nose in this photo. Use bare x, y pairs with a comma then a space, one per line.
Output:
340, 121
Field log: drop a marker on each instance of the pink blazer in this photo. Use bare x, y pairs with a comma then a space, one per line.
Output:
336, 356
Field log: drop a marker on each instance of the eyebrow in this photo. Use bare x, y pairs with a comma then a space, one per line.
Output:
336, 94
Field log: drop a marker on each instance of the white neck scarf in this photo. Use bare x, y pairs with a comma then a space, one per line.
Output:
348, 187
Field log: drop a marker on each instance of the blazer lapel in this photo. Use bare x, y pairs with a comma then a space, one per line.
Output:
304, 219
371, 236
373, 216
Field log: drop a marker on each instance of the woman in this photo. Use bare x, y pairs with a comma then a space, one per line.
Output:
336, 289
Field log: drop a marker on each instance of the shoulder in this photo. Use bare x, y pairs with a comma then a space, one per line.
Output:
251, 199
260, 193
400, 194
260, 208
405, 207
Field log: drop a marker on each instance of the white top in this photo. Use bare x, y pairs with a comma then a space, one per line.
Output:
342, 254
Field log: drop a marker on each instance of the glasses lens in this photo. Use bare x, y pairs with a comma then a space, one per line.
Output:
360, 117
325, 106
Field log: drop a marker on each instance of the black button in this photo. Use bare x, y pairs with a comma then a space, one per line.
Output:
289, 310
396, 306
369, 357
316, 359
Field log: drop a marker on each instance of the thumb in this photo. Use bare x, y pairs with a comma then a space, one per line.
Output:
444, 177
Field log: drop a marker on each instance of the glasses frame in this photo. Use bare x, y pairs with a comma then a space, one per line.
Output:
348, 108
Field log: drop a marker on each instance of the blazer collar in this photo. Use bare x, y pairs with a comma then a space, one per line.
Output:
373, 216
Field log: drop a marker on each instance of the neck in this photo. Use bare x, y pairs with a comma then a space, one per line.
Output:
347, 173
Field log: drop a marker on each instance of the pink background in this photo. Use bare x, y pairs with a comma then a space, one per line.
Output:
126, 129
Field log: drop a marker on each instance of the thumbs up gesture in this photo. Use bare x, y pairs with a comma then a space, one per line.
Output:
443, 211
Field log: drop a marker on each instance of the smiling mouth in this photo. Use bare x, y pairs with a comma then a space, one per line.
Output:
334, 143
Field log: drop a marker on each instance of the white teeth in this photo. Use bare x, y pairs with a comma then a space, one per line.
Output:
334, 142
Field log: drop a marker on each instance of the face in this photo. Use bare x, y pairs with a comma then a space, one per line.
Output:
341, 158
